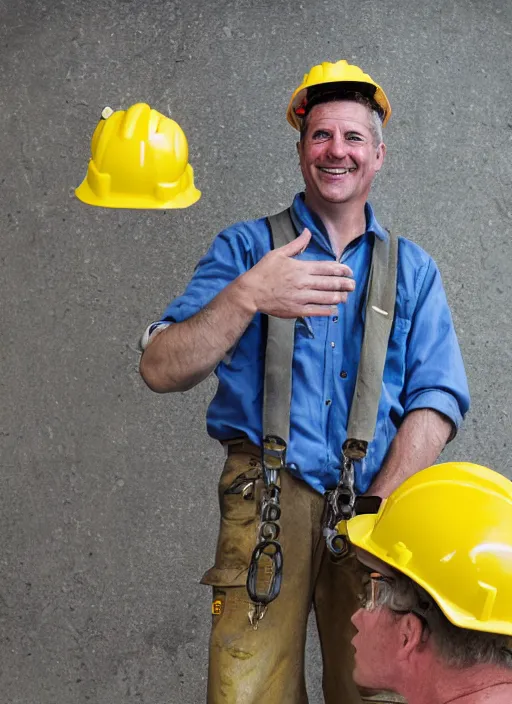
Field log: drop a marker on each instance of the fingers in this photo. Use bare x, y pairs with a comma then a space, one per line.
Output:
330, 283
325, 268
298, 245
325, 298
313, 311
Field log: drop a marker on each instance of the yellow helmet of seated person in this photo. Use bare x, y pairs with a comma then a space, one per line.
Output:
449, 528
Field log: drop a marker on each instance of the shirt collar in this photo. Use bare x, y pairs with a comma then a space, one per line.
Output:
303, 217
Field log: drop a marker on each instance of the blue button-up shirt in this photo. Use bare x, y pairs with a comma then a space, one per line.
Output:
423, 368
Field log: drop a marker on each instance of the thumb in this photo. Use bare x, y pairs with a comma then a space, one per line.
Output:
298, 245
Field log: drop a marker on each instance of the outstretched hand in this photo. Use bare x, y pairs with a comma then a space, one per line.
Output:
286, 287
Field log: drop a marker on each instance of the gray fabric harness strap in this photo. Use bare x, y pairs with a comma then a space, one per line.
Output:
277, 387
380, 308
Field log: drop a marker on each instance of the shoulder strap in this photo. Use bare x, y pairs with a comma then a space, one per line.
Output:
277, 385
380, 308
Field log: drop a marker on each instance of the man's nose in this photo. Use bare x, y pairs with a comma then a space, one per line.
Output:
337, 147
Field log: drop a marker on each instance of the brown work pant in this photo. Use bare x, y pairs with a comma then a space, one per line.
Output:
266, 666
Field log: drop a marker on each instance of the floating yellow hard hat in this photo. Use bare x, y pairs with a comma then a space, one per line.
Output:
326, 78
139, 159
449, 528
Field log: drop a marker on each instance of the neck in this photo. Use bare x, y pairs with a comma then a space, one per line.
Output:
481, 684
343, 221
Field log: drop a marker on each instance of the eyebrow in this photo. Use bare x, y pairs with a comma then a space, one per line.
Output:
330, 129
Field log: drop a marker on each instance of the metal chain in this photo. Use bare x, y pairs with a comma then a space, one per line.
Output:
268, 545
342, 504
339, 506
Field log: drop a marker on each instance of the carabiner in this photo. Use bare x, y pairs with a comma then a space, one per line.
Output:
337, 544
276, 556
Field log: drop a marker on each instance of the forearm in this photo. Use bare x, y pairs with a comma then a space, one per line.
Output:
185, 353
418, 443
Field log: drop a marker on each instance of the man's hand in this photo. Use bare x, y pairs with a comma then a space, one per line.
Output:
285, 287
185, 353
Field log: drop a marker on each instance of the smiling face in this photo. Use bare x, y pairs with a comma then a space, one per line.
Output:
338, 154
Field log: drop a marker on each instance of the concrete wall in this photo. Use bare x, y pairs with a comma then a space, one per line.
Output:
108, 509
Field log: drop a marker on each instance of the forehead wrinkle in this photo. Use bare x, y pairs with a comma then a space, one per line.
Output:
338, 107
341, 119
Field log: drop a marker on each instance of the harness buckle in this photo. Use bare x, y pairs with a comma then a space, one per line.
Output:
273, 459
354, 449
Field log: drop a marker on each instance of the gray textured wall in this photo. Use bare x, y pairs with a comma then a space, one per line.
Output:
108, 513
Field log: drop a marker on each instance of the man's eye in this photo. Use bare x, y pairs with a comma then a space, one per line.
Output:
352, 136
321, 134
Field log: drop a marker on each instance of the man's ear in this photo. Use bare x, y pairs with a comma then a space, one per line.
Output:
381, 153
298, 148
410, 636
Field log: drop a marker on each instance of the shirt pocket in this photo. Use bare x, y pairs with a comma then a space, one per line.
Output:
396, 358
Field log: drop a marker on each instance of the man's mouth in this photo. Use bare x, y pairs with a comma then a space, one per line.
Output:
338, 171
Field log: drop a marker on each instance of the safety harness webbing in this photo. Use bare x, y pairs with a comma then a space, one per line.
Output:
380, 308
277, 385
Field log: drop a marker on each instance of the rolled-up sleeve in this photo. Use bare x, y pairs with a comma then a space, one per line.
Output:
229, 256
435, 376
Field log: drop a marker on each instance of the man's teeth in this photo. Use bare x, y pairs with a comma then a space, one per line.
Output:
337, 172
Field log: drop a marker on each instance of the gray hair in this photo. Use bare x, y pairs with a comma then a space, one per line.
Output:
459, 647
355, 97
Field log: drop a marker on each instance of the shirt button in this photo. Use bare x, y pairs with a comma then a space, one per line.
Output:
335, 319
328, 402
343, 374
333, 344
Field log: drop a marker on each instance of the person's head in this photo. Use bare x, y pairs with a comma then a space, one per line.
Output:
339, 112
439, 561
401, 630
343, 95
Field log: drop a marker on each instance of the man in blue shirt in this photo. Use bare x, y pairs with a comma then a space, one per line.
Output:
320, 279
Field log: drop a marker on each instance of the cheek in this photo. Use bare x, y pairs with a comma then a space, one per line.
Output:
374, 645
313, 152
364, 158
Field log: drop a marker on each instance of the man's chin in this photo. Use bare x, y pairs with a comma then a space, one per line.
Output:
333, 197
340, 196
358, 677
365, 684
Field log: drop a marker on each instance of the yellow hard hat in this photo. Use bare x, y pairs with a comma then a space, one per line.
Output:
139, 159
326, 77
449, 528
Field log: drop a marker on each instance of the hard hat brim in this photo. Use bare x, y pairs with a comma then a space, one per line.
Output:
136, 202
